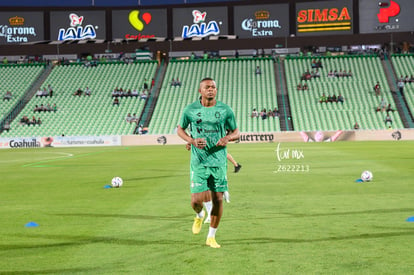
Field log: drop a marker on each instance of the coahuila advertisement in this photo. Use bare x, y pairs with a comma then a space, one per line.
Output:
139, 24
21, 27
386, 16
200, 22
261, 21
37, 142
77, 25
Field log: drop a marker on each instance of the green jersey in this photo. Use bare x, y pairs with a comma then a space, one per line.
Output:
210, 123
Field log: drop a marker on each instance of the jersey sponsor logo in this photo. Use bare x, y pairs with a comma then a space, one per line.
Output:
211, 131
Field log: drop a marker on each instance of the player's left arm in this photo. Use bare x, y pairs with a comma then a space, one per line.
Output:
233, 132
231, 136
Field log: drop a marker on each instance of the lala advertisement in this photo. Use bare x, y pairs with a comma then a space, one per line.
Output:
200, 22
77, 25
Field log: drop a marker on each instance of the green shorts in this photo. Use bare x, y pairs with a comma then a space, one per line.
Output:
205, 178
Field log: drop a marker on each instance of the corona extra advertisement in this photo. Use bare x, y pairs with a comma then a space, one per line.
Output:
77, 25
139, 24
200, 22
262, 21
21, 27
386, 16
324, 18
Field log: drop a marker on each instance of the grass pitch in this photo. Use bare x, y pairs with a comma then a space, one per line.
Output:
293, 210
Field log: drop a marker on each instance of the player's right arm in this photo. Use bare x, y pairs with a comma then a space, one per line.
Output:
200, 143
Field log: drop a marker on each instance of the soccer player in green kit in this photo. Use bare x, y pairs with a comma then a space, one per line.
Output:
212, 125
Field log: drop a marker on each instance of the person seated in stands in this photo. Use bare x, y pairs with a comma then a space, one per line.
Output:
36, 109
33, 121
331, 74
258, 70
340, 98
316, 74
276, 112
134, 118
319, 64
6, 126
78, 92
299, 87
39, 93
263, 114
305, 87
389, 109
412, 78
329, 98
383, 104
177, 82
7, 96
145, 85
388, 119
255, 113
88, 91
139, 131
45, 92
50, 90
334, 99
129, 93
143, 95
38, 122
377, 89
356, 126
134, 92
406, 79
349, 73
115, 92
116, 102
41, 108
144, 130
121, 92
173, 82
23, 120
128, 118
48, 108
270, 113
54, 107
323, 98
314, 65
306, 76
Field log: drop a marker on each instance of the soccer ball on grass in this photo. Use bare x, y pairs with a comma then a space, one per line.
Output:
367, 176
117, 182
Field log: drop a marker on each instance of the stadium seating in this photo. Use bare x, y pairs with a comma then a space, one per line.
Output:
87, 115
16, 79
360, 100
238, 86
404, 66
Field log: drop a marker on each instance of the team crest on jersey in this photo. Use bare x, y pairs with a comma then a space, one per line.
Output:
217, 115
